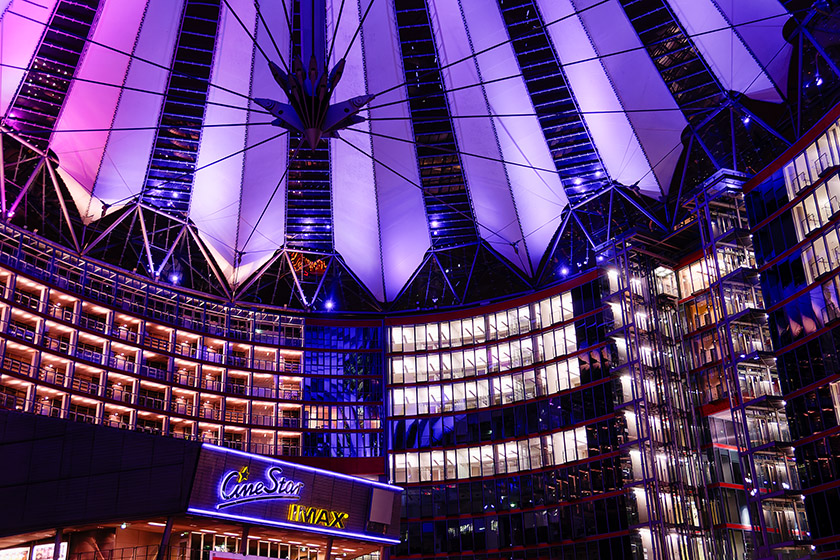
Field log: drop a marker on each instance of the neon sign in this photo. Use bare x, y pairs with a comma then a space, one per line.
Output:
234, 488
317, 516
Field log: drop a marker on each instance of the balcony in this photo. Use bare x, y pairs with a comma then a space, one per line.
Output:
769, 428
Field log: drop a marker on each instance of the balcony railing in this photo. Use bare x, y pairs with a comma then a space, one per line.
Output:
30, 333
92, 323
106, 287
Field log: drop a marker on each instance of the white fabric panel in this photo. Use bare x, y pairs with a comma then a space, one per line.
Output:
487, 181
764, 38
123, 170
265, 164
19, 38
610, 128
402, 214
90, 208
214, 205
723, 50
90, 105
539, 195
639, 86
355, 223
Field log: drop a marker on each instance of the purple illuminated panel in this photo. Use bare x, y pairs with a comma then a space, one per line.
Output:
217, 188
266, 158
724, 51
402, 215
487, 178
537, 190
611, 129
250, 488
652, 114
354, 191
760, 24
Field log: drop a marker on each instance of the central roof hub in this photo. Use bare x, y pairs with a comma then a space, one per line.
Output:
309, 112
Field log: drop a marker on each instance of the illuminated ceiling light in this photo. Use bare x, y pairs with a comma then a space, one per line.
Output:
329, 304
745, 119
564, 270
435, 223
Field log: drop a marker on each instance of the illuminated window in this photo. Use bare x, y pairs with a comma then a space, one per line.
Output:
835, 398
491, 459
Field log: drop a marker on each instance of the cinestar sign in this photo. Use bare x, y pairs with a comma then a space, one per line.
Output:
235, 489
267, 492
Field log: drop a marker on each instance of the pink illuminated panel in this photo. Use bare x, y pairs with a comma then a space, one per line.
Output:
91, 105
123, 170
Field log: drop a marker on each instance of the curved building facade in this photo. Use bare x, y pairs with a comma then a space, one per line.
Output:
502, 427
91, 343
